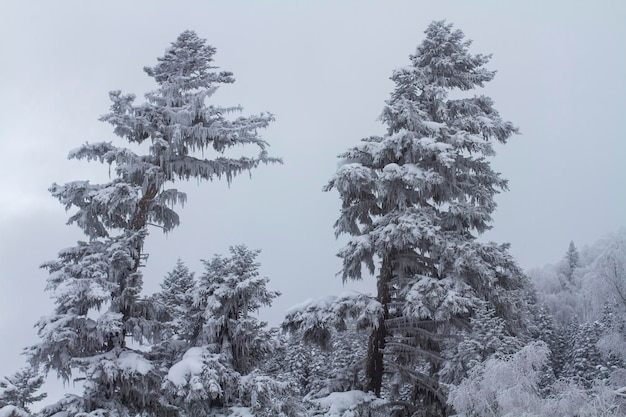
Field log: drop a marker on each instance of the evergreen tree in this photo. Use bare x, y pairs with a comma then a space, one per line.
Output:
224, 368
175, 301
416, 198
487, 338
572, 258
19, 390
177, 297
97, 284
303, 363
570, 262
230, 291
583, 360
612, 337
319, 371
326, 342
553, 338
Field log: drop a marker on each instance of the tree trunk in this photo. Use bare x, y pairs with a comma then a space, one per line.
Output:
374, 367
138, 222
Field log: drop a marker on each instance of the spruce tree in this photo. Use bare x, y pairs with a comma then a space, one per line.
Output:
20, 389
569, 264
583, 360
100, 315
487, 338
572, 257
553, 338
230, 291
329, 333
177, 296
415, 199
177, 309
225, 365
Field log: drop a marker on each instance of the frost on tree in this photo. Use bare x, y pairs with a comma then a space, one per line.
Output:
19, 390
326, 342
176, 303
225, 365
314, 319
486, 339
177, 298
414, 201
97, 284
512, 386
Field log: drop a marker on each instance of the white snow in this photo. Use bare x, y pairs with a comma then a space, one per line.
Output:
434, 126
240, 412
12, 411
310, 304
191, 364
337, 403
133, 362
237, 412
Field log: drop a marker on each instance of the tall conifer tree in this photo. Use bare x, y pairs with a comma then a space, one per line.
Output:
97, 284
415, 200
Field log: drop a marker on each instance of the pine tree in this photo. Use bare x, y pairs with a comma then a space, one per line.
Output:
570, 262
319, 371
97, 284
326, 342
224, 367
177, 296
583, 360
487, 338
553, 338
19, 390
175, 301
572, 258
230, 291
416, 198
612, 336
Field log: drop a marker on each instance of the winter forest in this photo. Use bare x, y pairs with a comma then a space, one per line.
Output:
455, 326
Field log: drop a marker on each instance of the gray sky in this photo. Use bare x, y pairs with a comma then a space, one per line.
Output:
323, 69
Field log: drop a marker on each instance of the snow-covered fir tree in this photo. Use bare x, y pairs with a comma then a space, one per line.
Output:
326, 342
100, 316
551, 335
570, 262
612, 340
487, 338
230, 291
177, 296
179, 328
415, 199
20, 389
583, 360
225, 367
319, 371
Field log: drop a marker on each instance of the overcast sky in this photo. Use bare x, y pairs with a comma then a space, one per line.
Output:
322, 67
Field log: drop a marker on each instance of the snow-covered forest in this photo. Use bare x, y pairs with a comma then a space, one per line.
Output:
455, 326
